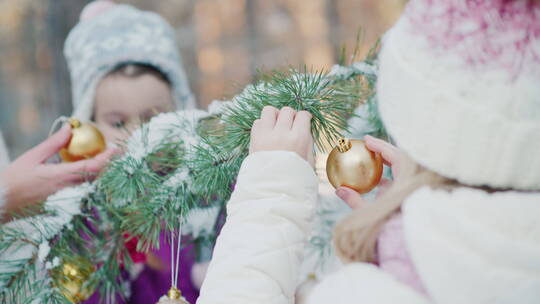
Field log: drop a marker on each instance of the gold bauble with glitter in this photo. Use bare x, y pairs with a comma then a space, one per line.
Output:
350, 164
174, 296
70, 279
86, 142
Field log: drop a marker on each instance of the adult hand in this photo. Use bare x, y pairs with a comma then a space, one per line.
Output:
29, 179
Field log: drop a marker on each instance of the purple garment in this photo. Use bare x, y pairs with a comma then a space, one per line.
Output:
151, 284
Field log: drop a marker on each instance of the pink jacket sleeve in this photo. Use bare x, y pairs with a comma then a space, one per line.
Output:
393, 254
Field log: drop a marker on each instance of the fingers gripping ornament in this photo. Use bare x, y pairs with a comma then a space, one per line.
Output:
350, 164
86, 142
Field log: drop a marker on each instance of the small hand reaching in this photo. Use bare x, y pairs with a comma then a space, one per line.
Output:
285, 130
29, 179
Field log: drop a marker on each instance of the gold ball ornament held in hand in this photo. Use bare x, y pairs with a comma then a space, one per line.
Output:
350, 164
86, 142
70, 279
174, 296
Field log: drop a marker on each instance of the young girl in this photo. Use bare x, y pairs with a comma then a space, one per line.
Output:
125, 68
458, 91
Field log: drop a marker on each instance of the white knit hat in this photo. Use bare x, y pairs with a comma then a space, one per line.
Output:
459, 89
109, 35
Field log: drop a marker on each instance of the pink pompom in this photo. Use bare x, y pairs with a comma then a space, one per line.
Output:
95, 8
501, 32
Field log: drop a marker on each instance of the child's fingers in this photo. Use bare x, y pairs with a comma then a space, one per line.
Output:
285, 119
268, 117
351, 198
302, 122
85, 169
255, 127
302, 127
48, 147
255, 130
389, 153
383, 186
310, 152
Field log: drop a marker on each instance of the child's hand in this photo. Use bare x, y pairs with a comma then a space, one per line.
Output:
29, 179
284, 130
392, 157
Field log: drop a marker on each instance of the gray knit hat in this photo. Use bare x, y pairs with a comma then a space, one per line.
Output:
110, 34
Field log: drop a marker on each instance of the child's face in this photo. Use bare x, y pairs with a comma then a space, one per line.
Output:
123, 103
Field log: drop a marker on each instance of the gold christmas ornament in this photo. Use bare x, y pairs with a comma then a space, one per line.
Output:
70, 278
86, 142
174, 296
350, 164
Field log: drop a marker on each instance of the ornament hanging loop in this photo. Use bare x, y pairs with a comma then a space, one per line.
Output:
174, 296
344, 145
57, 122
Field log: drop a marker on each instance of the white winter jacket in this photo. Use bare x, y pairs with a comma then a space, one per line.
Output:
468, 246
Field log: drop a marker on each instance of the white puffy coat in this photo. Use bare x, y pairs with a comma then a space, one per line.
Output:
468, 246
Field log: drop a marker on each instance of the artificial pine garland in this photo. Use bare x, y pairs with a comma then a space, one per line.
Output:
180, 167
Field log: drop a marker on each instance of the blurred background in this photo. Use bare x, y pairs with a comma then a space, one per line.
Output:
223, 44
